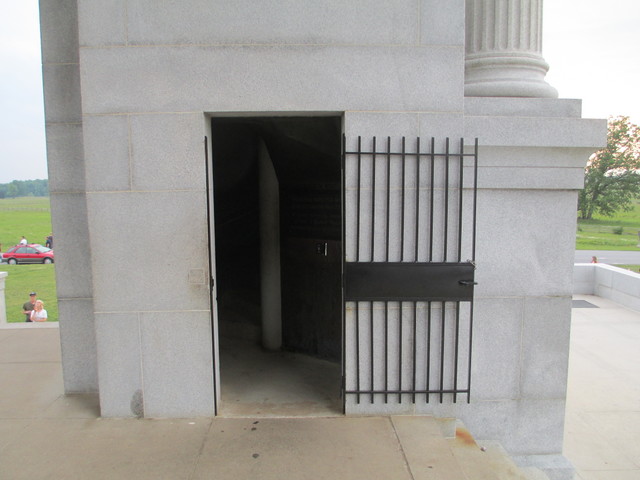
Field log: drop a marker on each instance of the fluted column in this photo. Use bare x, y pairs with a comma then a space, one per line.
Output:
504, 49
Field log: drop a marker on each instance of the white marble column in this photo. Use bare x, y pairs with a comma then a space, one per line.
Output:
503, 49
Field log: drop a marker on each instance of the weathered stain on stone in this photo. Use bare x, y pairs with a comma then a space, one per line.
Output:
137, 405
463, 436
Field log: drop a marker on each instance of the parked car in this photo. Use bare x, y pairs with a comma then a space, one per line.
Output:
32, 253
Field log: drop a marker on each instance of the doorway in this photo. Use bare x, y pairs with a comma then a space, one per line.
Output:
278, 257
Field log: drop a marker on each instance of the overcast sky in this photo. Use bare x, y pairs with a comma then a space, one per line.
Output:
590, 45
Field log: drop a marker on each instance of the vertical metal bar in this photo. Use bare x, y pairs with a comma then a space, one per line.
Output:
343, 200
373, 198
402, 202
212, 299
432, 186
475, 198
388, 196
442, 327
417, 199
358, 190
455, 360
470, 346
461, 188
371, 355
428, 351
415, 370
386, 351
357, 351
446, 200
400, 353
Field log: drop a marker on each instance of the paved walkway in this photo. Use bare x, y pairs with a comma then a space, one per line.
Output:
602, 427
47, 435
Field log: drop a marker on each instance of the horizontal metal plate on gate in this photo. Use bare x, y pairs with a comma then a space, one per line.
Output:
409, 281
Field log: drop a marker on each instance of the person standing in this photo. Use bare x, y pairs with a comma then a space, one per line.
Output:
49, 241
38, 314
23, 241
28, 307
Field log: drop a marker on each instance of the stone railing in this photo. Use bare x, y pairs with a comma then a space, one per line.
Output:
606, 281
3, 304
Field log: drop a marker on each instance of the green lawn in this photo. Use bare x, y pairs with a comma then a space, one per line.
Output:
28, 216
24, 279
619, 232
31, 217
633, 268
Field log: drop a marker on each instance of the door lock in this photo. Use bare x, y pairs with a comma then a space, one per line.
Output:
322, 248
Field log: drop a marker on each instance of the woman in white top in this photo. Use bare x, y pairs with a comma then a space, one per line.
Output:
38, 314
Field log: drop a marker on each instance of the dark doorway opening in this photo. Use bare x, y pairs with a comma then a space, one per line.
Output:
303, 375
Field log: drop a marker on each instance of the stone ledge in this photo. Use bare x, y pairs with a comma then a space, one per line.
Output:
606, 281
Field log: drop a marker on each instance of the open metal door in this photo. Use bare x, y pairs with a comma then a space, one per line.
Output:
408, 272
212, 285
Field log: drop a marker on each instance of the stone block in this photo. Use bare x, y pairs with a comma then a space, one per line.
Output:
380, 125
65, 157
119, 360
78, 342
107, 162
440, 126
62, 98
537, 428
59, 31
522, 107
545, 347
626, 283
235, 79
497, 345
530, 177
177, 364
537, 132
525, 242
542, 157
72, 245
146, 243
442, 23
167, 152
104, 23
584, 278
604, 281
273, 22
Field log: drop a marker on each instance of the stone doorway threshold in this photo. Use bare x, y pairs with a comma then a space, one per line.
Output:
258, 383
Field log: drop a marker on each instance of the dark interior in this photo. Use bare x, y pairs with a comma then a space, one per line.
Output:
305, 152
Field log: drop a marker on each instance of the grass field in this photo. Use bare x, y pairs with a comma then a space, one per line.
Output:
24, 279
31, 217
28, 216
619, 232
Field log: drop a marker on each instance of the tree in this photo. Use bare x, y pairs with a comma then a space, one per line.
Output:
612, 175
12, 190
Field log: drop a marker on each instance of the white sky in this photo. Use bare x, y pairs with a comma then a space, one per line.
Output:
590, 45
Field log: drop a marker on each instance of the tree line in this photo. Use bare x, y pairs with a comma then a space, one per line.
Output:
24, 188
612, 175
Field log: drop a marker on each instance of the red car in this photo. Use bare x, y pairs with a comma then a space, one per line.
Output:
32, 253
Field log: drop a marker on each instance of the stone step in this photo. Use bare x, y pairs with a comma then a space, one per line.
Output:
487, 460
443, 449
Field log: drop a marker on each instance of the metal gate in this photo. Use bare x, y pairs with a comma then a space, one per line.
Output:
408, 272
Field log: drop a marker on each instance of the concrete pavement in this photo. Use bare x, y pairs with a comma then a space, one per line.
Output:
47, 435
602, 425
